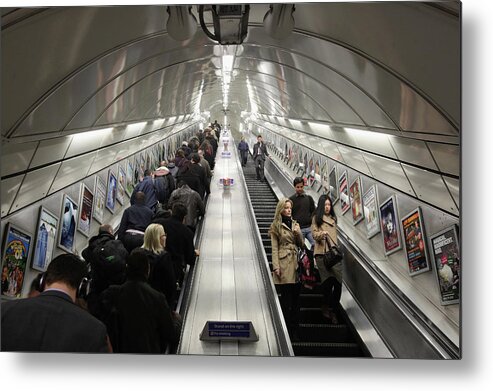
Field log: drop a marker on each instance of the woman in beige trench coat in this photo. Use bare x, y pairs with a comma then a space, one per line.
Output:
286, 237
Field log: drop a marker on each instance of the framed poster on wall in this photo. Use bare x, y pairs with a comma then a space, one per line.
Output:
15, 255
389, 224
120, 193
344, 193
129, 180
356, 200
46, 233
333, 186
86, 202
99, 199
370, 207
446, 256
111, 192
68, 222
414, 241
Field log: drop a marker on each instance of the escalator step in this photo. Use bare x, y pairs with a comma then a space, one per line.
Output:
326, 349
324, 333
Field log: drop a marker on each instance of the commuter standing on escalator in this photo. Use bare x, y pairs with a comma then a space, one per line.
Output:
303, 208
324, 230
286, 238
259, 155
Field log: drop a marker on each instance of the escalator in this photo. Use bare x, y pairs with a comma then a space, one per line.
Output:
317, 337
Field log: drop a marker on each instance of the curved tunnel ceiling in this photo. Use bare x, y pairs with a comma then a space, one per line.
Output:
393, 69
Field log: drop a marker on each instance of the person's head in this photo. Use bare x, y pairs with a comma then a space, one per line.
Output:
179, 211
67, 269
106, 228
180, 153
324, 208
195, 157
137, 265
299, 185
259, 138
184, 143
154, 238
163, 163
147, 172
140, 198
389, 223
283, 208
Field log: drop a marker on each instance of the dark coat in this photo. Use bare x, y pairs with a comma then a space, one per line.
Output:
195, 177
162, 276
179, 241
256, 152
191, 199
146, 186
138, 318
50, 322
136, 217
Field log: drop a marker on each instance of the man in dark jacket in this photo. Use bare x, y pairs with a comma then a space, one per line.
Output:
147, 187
243, 148
194, 175
193, 202
134, 222
179, 240
259, 155
107, 256
51, 321
137, 316
303, 209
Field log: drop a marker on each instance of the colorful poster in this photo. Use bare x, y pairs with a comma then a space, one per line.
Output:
120, 194
333, 186
46, 232
446, 256
111, 192
129, 180
68, 219
390, 226
86, 202
415, 245
370, 207
16, 250
324, 173
99, 199
356, 200
344, 193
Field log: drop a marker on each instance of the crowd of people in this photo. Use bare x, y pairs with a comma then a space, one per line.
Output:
121, 296
296, 221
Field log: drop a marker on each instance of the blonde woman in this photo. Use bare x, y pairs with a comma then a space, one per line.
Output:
162, 275
286, 238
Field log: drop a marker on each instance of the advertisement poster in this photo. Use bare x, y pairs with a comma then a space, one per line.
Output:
390, 226
356, 200
333, 187
129, 180
99, 199
46, 232
16, 249
446, 255
68, 221
120, 194
111, 192
317, 176
86, 202
324, 174
415, 245
344, 193
370, 207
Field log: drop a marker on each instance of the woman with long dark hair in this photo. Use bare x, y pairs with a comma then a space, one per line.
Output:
324, 231
286, 238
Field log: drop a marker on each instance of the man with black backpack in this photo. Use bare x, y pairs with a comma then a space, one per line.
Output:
164, 184
107, 257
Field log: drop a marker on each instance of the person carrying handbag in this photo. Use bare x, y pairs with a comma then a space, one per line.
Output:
324, 231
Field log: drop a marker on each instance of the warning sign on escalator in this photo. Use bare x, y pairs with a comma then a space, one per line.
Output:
229, 331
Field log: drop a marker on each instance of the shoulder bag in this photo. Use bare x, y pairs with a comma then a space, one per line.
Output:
332, 255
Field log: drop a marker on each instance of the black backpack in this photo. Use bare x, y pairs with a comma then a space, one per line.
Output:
162, 188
